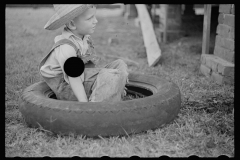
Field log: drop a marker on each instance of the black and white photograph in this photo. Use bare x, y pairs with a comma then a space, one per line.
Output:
119, 80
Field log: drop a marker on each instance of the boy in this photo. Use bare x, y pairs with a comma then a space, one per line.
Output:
84, 85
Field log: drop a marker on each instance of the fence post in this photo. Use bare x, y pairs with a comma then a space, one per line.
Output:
206, 28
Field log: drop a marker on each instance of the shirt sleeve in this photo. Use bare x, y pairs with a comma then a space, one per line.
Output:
63, 52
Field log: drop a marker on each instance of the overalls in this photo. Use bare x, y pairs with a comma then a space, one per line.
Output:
101, 84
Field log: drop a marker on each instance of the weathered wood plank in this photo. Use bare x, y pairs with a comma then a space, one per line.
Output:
165, 17
152, 48
206, 28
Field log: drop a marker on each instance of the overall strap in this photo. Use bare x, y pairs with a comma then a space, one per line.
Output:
65, 41
58, 43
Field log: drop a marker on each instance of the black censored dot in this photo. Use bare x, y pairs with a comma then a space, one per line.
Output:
73, 67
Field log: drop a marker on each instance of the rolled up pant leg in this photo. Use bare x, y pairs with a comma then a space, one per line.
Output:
120, 65
110, 82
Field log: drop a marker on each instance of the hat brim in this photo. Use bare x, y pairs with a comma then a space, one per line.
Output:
56, 22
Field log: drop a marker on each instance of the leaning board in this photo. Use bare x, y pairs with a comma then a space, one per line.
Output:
152, 48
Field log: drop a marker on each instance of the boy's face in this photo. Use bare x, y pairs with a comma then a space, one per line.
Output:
86, 22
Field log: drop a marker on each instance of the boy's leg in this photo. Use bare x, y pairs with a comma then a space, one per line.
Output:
108, 86
90, 76
121, 66
117, 64
65, 91
62, 89
110, 82
114, 75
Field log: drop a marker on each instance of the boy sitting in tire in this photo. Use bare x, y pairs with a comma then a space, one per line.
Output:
70, 68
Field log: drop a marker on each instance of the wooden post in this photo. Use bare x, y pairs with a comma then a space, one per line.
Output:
124, 9
161, 24
153, 10
131, 11
165, 6
149, 37
169, 27
206, 28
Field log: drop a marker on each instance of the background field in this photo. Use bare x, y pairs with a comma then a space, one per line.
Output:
204, 126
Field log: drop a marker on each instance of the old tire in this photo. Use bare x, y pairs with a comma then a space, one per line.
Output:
160, 106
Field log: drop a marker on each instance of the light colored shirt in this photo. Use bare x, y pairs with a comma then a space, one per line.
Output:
54, 64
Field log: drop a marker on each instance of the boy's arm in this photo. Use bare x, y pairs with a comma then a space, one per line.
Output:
65, 52
74, 68
78, 88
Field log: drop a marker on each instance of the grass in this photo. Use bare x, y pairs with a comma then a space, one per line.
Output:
130, 97
204, 126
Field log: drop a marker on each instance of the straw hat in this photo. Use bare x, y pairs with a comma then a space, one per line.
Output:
65, 13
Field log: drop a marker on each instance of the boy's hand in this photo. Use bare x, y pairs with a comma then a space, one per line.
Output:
124, 92
127, 80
